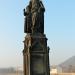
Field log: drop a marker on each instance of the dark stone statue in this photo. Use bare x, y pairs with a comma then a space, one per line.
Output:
34, 20
35, 52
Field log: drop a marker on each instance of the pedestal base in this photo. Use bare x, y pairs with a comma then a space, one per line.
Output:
36, 55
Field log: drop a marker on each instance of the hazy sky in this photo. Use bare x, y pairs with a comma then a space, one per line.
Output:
59, 29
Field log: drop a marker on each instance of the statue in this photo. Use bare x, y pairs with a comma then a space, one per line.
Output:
35, 52
34, 20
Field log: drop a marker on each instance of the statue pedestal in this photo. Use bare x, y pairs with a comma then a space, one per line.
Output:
36, 55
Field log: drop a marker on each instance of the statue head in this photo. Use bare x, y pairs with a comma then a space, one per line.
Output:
35, 1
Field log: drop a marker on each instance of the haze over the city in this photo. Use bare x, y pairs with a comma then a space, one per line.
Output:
59, 28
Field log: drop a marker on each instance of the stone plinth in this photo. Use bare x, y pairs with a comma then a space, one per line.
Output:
36, 55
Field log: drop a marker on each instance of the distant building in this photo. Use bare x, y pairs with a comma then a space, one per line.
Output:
55, 69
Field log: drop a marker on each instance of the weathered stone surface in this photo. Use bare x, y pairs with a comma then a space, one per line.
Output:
36, 55
36, 52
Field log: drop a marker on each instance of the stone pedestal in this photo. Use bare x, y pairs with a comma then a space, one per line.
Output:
36, 55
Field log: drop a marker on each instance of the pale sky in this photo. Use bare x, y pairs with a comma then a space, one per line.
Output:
59, 29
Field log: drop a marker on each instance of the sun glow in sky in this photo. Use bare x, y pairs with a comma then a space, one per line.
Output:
59, 29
